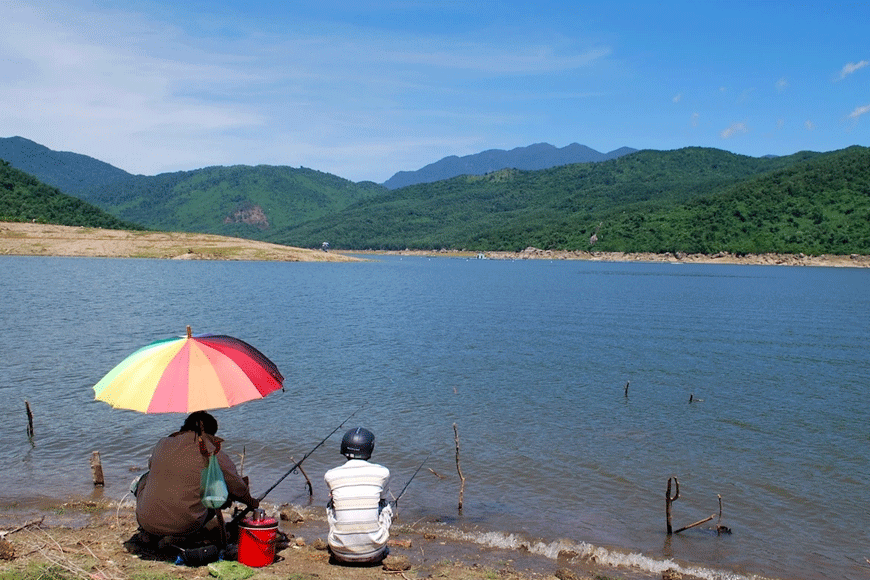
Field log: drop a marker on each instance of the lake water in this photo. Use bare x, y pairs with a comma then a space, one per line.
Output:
528, 359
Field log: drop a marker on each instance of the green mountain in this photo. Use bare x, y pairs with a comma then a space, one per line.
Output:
241, 201
69, 172
687, 200
24, 198
648, 201
819, 205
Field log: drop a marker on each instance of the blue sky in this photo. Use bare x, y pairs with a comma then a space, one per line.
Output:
365, 89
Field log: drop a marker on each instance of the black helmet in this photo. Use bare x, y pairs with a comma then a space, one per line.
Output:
358, 443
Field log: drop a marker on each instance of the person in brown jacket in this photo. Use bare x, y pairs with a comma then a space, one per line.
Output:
168, 496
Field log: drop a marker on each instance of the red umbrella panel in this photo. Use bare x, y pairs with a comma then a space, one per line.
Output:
189, 373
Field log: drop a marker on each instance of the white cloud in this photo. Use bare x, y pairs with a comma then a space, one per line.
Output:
148, 96
678, 97
695, 117
734, 129
851, 67
859, 111
809, 125
781, 84
126, 96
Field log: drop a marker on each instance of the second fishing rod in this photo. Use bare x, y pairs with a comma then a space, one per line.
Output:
404, 489
240, 515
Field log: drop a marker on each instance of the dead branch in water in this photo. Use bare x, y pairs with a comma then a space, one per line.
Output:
669, 500
435, 473
720, 529
458, 468
307, 481
698, 523
29, 420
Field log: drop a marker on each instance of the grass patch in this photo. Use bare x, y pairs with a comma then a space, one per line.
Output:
39, 572
152, 575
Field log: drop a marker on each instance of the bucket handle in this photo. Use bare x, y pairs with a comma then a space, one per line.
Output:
273, 541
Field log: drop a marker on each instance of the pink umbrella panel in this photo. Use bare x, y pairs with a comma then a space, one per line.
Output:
192, 373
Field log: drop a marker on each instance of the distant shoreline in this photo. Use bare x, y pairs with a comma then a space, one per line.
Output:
825, 260
30, 239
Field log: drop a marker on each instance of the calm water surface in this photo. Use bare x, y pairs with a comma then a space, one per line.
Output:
529, 359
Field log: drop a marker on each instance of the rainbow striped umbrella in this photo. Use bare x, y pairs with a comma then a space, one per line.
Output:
189, 373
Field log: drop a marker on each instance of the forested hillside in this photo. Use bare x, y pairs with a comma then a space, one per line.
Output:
242, 201
562, 208
24, 198
818, 206
693, 200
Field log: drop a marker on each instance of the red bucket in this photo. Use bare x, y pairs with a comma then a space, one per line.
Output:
257, 538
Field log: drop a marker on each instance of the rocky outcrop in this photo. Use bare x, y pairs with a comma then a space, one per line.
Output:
250, 214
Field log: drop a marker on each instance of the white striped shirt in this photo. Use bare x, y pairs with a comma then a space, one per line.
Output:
359, 513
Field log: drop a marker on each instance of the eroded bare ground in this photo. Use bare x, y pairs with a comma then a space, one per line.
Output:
27, 239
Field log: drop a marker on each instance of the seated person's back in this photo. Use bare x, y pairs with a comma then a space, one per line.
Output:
169, 496
358, 512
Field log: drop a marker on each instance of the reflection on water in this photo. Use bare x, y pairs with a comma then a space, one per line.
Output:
528, 359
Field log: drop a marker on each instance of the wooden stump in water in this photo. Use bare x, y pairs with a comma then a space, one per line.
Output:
97, 468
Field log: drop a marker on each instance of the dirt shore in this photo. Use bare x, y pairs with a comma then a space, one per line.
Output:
28, 239
91, 541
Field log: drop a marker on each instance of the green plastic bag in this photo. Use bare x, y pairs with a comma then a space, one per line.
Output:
214, 488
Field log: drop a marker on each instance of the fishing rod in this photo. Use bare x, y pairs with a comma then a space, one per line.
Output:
401, 493
295, 466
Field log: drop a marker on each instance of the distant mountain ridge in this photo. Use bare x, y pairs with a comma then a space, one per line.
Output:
69, 172
531, 158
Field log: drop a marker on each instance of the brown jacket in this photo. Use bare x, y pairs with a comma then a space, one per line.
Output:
168, 498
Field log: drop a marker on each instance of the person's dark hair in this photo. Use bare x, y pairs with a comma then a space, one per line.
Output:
200, 421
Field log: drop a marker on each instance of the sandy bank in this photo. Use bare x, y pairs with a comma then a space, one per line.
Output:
28, 239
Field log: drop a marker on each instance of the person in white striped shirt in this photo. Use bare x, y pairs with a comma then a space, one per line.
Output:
359, 511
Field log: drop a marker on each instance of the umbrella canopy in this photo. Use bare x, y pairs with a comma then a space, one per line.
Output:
189, 373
